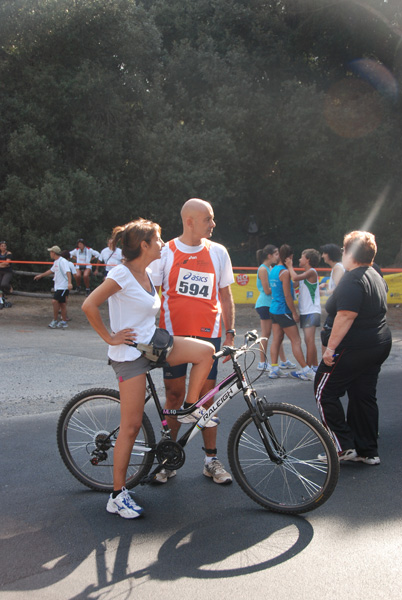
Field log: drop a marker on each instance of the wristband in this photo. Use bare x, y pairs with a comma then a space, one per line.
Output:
232, 331
331, 350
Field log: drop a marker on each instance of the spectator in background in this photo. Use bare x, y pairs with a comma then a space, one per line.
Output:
309, 300
332, 256
285, 318
66, 254
111, 257
83, 255
6, 273
267, 258
62, 285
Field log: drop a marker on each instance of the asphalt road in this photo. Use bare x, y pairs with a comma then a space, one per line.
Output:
197, 539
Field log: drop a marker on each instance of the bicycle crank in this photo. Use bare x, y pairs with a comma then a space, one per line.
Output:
170, 454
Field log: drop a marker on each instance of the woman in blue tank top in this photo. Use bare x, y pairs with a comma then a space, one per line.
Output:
268, 257
285, 318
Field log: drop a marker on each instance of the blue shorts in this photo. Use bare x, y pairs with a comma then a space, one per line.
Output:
311, 320
263, 313
181, 370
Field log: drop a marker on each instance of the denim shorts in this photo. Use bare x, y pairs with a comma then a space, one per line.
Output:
311, 320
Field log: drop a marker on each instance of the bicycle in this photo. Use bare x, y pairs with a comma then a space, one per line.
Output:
272, 447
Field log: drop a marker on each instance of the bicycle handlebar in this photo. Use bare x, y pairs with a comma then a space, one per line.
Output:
250, 336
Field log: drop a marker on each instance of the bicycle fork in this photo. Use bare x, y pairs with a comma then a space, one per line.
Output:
260, 415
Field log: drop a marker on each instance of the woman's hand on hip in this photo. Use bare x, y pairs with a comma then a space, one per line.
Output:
125, 336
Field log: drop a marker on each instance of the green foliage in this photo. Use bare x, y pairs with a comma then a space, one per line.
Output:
113, 109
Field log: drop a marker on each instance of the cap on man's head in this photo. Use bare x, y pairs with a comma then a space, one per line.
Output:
55, 249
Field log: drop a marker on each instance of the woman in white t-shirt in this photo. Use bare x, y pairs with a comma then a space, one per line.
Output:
133, 305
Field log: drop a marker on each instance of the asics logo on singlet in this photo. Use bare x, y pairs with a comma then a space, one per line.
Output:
195, 278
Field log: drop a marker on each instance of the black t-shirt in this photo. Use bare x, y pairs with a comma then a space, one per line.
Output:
363, 291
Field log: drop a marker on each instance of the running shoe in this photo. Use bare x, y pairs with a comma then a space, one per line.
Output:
164, 475
123, 505
62, 325
197, 414
304, 374
344, 456
53, 324
276, 373
369, 460
263, 366
287, 365
215, 469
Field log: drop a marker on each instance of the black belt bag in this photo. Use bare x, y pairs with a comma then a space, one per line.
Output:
325, 335
158, 348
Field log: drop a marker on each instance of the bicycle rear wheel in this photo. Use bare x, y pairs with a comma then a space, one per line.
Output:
298, 482
86, 434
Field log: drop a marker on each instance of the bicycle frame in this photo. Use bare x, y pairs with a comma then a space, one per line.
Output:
237, 382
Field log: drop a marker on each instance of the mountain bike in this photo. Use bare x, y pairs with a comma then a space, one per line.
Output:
272, 447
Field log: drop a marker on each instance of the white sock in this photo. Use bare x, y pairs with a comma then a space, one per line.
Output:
208, 459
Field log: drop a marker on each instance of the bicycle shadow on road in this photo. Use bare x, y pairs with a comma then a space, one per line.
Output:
233, 543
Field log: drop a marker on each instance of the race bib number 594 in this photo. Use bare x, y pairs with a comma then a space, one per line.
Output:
195, 284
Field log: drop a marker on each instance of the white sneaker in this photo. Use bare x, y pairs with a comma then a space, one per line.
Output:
164, 475
263, 366
287, 365
62, 325
343, 456
276, 372
215, 469
197, 414
369, 460
123, 505
305, 375
53, 324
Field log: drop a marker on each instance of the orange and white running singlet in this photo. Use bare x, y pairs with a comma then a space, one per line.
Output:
191, 278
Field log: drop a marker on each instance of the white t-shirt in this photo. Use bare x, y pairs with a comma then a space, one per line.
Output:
60, 268
71, 267
131, 307
110, 258
331, 283
85, 256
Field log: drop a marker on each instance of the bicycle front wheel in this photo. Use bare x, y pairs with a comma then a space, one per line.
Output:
297, 480
86, 434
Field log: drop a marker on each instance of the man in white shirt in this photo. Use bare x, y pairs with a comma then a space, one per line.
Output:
62, 285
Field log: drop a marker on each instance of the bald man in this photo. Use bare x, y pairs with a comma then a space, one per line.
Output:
195, 275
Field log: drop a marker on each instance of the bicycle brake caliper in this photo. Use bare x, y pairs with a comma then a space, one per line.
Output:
263, 410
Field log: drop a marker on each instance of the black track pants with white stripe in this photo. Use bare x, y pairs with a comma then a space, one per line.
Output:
356, 373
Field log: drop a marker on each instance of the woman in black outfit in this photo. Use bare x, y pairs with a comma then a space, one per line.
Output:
358, 341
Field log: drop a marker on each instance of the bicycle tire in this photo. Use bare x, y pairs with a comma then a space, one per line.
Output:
86, 418
301, 482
